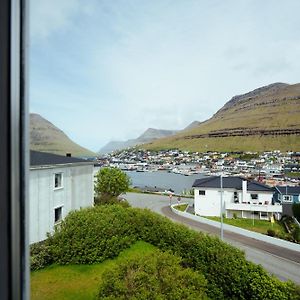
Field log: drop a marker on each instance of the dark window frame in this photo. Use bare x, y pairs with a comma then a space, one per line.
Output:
14, 153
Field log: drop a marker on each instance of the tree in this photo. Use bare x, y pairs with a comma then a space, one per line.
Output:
110, 183
296, 210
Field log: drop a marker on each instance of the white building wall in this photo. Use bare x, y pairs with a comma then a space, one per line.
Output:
209, 204
77, 191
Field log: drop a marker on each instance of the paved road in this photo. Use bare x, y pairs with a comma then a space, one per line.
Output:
283, 263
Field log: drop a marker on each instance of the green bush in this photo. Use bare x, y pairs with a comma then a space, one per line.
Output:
40, 255
296, 211
234, 215
271, 232
95, 234
158, 276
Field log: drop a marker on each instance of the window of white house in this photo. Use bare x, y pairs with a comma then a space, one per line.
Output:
254, 196
58, 180
287, 198
202, 193
57, 214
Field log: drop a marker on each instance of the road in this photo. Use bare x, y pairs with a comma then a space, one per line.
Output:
283, 263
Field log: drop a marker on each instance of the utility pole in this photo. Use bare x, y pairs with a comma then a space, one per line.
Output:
221, 206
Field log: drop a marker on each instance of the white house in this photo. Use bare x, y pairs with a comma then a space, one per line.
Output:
244, 198
57, 185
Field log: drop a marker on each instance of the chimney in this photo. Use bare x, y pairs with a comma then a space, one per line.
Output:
244, 190
68, 154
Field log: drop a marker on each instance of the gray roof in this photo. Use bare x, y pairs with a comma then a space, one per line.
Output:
289, 190
45, 159
231, 182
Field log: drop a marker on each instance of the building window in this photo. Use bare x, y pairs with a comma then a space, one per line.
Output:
58, 180
57, 214
254, 196
287, 198
202, 193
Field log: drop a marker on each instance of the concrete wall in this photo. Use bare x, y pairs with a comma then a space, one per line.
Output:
76, 191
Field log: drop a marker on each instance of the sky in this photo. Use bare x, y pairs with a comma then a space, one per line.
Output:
104, 70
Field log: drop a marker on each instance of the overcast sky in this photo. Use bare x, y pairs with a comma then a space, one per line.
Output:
105, 70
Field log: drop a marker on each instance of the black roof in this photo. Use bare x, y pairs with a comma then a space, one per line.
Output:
289, 190
230, 182
45, 159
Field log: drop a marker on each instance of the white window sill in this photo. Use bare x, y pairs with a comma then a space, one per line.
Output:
58, 188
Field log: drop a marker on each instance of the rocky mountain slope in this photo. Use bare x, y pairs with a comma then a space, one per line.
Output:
149, 135
46, 137
264, 119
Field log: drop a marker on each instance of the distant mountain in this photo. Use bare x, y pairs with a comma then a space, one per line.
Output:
264, 119
46, 137
149, 135
192, 125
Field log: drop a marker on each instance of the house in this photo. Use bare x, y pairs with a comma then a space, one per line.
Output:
57, 185
240, 197
286, 196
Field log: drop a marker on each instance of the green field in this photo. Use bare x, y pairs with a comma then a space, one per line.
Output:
181, 207
77, 282
260, 226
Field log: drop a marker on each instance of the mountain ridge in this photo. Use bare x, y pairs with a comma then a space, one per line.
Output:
262, 119
46, 137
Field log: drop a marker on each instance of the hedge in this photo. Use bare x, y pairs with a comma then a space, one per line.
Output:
92, 235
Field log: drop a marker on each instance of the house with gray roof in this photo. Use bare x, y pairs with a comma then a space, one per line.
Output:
286, 196
57, 185
240, 197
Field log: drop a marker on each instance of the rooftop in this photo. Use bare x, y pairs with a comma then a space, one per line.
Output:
45, 159
231, 182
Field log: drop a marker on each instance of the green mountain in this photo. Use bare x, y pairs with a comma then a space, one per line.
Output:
266, 118
46, 137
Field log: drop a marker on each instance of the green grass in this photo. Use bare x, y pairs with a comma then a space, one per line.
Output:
293, 174
260, 226
181, 207
77, 282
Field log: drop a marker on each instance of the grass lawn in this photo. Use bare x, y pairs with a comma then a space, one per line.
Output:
77, 282
260, 226
181, 207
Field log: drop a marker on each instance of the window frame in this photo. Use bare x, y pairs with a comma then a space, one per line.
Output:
14, 150
61, 214
61, 181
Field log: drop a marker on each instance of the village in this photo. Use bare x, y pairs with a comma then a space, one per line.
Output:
272, 168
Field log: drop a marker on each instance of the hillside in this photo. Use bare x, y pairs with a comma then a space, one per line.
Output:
149, 135
46, 137
264, 119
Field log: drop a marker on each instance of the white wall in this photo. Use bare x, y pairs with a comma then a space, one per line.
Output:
77, 191
209, 204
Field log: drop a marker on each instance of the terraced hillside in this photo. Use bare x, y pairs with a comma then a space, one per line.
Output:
264, 119
46, 137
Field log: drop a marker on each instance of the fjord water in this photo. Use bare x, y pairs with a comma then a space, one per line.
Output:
163, 179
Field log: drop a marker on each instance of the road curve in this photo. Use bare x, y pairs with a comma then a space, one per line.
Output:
283, 263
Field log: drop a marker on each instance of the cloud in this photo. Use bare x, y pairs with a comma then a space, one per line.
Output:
103, 70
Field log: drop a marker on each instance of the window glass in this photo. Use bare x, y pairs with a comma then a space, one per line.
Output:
57, 214
58, 180
254, 196
202, 193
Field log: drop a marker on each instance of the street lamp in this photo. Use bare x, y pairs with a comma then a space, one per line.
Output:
221, 205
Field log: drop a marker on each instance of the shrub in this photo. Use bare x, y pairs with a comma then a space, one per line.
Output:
158, 276
296, 210
95, 234
271, 232
40, 255
234, 215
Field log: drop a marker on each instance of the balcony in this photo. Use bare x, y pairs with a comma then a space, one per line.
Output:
254, 207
